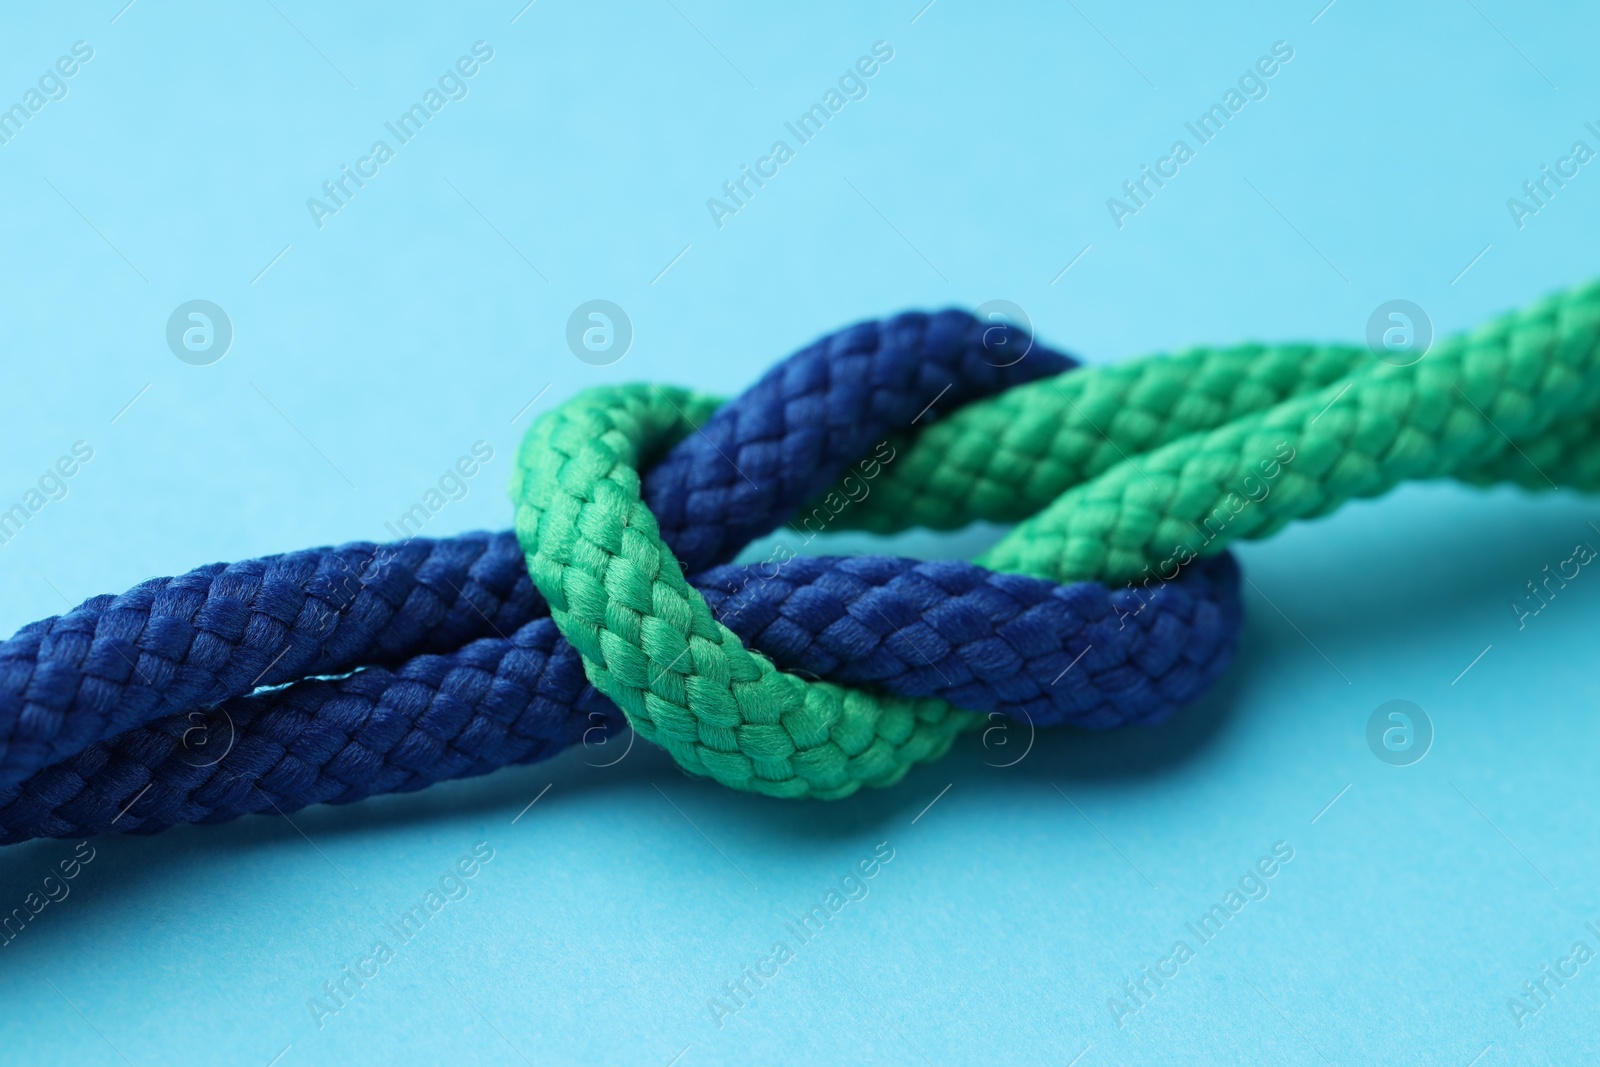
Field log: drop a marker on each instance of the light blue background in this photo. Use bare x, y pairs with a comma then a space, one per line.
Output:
417, 322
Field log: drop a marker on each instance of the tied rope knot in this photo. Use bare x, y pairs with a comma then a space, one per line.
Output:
650, 640
1478, 408
329, 675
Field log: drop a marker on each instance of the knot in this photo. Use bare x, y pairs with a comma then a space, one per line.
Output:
935, 636
230, 690
806, 422
836, 415
329, 675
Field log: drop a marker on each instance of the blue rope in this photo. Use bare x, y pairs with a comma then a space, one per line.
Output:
146, 710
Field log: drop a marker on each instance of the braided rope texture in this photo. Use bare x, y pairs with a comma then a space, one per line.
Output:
500, 701
1005, 460
1055, 434
512, 700
1118, 473
651, 643
985, 641
648, 638
1498, 402
492, 703
177, 644
752, 463
220, 631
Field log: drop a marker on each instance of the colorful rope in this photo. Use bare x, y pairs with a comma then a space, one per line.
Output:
101, 707
392, 666
1114, 470
650, 642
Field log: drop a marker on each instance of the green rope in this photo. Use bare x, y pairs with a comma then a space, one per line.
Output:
1120, 474
1118, 470
1514, 400
650, 643
1004, 459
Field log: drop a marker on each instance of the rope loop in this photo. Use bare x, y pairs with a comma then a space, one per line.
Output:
333, 674
651, 641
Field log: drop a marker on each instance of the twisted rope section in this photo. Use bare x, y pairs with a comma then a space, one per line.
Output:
648, 639
616, 591
1529, 377
652, 643
754, 462
983, 641
1540, 392
284, 750
218, 632
1008, 643
1006, 459
492, 703
176, 644
1515, 400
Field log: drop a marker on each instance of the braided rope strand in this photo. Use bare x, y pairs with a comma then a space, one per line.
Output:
997, 652
650, 642
814, 414
1465, 410
1034, 650
1006, 459
492, 703
983, 641
1522, 410
176, 644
